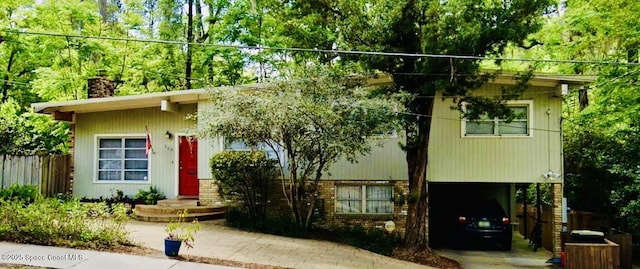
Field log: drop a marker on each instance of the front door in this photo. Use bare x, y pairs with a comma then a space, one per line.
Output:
188, 167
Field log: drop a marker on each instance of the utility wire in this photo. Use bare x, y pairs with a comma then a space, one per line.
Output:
336, 51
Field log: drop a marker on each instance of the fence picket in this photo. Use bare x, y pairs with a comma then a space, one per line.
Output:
49, 173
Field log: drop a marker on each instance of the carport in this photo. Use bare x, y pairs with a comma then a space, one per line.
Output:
444, 197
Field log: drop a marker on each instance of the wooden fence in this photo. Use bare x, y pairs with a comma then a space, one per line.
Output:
49, 172
577, 220
547, 224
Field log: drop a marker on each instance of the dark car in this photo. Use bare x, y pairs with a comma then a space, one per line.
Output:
485, 222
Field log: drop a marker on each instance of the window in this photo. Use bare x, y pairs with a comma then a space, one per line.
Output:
364, 199
485, 126
387, 134
122, 159
237, 144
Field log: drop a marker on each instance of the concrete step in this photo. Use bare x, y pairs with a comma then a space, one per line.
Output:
188, 197
151, 217
159, 209
178, 202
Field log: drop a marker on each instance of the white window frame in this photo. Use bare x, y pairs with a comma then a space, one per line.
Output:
389, 134
363, 193
96, 159
516, 103
266, 148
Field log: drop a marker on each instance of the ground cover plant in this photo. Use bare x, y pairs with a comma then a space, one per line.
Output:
70, 223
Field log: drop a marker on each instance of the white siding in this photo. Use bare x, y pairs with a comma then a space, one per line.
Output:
125, 122
454, 158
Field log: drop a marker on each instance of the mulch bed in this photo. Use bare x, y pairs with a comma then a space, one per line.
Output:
425, 257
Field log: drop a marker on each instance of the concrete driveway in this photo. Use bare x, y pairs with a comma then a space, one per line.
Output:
520, 256
215, 240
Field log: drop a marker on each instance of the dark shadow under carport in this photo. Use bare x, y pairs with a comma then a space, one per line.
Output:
520, 256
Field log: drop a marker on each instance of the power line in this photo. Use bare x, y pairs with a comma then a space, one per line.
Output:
335, 51
353, 105
15, 82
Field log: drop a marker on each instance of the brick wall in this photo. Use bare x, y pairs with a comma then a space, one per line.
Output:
331, 220
557, 219
100, 86
326, 216
209, 193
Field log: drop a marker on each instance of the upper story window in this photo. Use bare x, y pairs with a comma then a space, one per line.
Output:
364, 199
122, 159
520, 125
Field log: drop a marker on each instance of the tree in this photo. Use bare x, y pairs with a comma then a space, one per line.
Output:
600, 140
465, 27
28, 133
310, 121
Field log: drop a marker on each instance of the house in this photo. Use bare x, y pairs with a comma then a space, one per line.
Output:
485, 158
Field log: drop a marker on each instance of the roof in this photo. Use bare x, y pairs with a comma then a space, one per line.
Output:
130, 101
193, 96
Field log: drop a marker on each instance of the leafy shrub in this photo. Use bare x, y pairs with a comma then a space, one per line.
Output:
52, 221
117, 198
244, 177
25, 193
277, 225
183, 231
149, 197
374, 240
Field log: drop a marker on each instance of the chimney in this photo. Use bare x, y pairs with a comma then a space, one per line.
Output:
100, 86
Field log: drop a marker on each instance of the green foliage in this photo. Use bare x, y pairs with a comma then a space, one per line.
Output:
375, 240
115, 200
149, 197
372, 239
473, 28
24, 193
183, 231
545, 194
278, 224
63, 223
27, 133
318, 116
244, 177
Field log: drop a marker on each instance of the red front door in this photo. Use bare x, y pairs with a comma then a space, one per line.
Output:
188, 164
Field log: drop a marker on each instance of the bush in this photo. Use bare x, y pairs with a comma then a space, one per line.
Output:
118, 198
276, 225
374, 240
63, 223
24, 193
149, 197
244, 177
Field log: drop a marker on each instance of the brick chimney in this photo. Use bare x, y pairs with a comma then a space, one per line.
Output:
100, 86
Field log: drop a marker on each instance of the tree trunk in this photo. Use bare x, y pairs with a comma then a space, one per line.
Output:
199, 25
416, 232
187, 68
583, 99
103, 10
6, 85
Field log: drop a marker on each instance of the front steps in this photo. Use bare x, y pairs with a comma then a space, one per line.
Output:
168, 210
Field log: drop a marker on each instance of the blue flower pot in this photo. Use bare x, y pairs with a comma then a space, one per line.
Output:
171, 247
